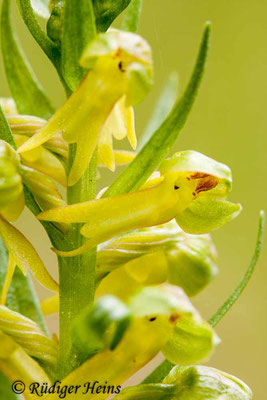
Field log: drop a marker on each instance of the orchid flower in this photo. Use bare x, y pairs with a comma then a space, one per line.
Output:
119, 77
191, 187
51, 157
157, 316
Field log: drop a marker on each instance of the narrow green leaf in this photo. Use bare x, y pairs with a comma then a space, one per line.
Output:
163, 108
158, 147
223, 310
78, 30
164, 368
21, 295
41, 7
6, 392
25, 89
5, 131
106, 11
131, 19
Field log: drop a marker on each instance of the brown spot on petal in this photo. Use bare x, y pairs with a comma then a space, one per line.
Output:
207, 183
174, 318
198, 175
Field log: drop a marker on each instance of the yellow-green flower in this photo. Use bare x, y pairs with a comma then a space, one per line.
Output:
51, 158
191, 189
156, 314
119, 77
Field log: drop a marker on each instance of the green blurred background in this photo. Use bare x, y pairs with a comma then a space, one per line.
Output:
229, 123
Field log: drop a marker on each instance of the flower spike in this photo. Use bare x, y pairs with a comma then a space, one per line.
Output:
186, 179
120, 71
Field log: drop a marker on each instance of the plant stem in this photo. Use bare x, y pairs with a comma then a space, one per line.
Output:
76, 274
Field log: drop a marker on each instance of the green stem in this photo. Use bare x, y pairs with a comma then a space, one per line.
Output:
164, 368
77, 274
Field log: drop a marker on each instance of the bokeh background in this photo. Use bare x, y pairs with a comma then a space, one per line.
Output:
229, 123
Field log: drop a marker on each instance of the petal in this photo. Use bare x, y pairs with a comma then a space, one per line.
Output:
43, 161
105, 148
50, 305
37, 140
207, 214
131, 127
116, 122
192, 161
123, 157
25, 255
192, 341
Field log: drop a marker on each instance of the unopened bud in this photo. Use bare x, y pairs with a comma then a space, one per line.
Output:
55, 21
106, 11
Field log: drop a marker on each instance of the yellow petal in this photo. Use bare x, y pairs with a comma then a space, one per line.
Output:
123, 157
105, 149
50, 305
131, 127
9, 275
37, 140
117, 121
25, 255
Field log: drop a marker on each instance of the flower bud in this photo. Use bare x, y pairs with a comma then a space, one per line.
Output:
106, 11
205, 383
192, 263
159, 254
191, 383
55, 21
28, 334
43, 188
